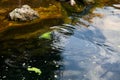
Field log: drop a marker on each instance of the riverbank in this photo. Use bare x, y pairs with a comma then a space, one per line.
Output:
51, 13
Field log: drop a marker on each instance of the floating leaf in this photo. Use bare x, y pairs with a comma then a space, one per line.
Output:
36, 70
46, 35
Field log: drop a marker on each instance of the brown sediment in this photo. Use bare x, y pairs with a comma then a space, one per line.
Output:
51, 13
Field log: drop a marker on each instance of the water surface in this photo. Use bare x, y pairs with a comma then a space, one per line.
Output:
87, 50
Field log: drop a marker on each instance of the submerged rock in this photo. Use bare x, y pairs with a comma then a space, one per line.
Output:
25, 13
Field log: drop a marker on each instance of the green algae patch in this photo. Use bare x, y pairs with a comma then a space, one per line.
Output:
46, 35
34, 69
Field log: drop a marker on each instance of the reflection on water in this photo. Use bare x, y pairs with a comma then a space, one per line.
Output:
23, 53
109, 23
76, 52
92, 53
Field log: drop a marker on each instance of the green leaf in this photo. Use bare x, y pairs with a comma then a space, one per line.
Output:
36, 70
46, 35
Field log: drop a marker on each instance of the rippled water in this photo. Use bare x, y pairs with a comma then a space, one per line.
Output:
88, 50
93, 53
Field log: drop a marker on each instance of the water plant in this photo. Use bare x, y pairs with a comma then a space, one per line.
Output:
46, 35
36, 70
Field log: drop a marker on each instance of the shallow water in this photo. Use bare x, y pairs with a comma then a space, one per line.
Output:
88, 50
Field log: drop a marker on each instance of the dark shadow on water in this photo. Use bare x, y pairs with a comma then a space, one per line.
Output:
17, 55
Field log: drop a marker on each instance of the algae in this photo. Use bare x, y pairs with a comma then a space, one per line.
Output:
46, 35
34, 69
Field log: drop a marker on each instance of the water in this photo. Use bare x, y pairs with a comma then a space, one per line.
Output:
87, 50
20, 3
23, 54
93, 53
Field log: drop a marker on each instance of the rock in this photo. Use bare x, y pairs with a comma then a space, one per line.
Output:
116, 5
25, 13
72, 2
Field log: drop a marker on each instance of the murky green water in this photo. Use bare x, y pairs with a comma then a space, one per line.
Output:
87, 50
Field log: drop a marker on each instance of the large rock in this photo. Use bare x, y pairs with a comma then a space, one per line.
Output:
25, 13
